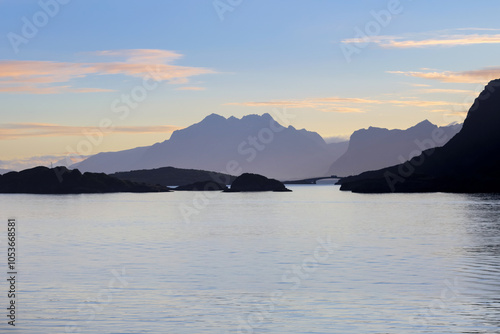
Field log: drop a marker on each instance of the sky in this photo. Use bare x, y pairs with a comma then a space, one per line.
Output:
79, 77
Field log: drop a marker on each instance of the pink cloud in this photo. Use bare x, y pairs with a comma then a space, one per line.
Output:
481, 76
47, 77
24, 130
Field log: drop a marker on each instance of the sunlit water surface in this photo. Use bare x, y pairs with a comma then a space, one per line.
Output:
316, 260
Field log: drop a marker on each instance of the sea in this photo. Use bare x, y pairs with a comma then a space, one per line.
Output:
315, 260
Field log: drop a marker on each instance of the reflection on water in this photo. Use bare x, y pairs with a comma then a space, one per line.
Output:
316, 260
480, 261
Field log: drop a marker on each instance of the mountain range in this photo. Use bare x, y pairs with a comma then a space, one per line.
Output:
259, 144
468, 163
375, 148
256, 144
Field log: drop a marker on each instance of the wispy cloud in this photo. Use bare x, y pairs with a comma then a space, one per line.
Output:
48, 77
418, 85
343, 110
345, 105
191, 88
448, 91
443, 38
23, 130
327, 104
481, 76
439, 110
51, 90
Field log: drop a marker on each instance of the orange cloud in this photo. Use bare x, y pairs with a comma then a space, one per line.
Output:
419, 85
344, 105
47, 77
349, 100
444, 38
51, 90
343, 110
150, 56
481, 76
454, 40
313, 103
449, 91
420, 103
23, 130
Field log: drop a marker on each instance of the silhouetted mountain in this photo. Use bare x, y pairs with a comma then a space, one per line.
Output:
230, 145
3, 171
469, 162
254, 182
60, 180
171, 176
375, 148
202, 186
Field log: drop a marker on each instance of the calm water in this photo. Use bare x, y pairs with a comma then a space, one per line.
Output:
313, 261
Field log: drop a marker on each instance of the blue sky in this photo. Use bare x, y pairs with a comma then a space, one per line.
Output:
426, 61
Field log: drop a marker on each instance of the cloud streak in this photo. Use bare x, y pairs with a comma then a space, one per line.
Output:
48, 77
25, 130
481, 76
191, 88
444, 38
448, 91
345, 105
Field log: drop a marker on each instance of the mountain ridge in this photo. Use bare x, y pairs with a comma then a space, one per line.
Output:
467, 163
257, 144
374, 148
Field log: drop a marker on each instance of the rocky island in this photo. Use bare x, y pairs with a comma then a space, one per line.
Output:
172, 176
254, 182
60, 180
202, 186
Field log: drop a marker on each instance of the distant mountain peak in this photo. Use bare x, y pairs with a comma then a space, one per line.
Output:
251, 116
253, 143
213, 117
425, 122
375, 148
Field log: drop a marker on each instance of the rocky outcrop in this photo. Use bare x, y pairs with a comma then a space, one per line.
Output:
60, 180
171, 176
256, 182
202, 186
